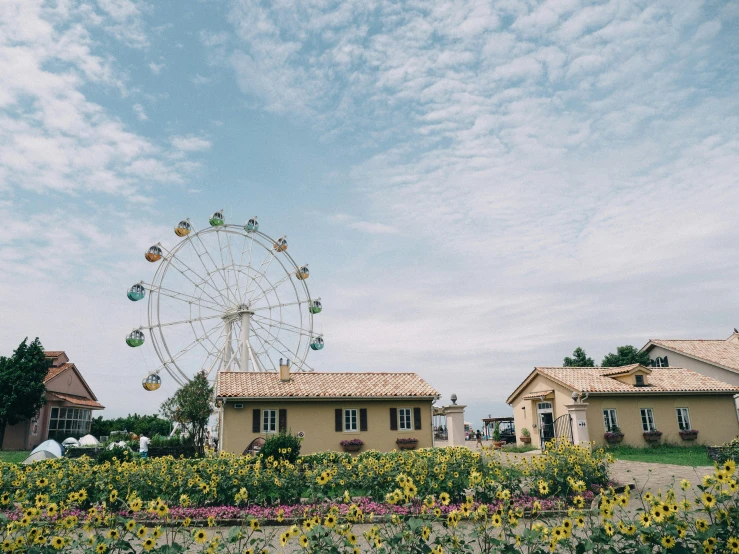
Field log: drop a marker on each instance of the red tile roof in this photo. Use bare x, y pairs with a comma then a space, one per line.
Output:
78, 400
54, 371
722, 352
53, 353
538, 394
323, 385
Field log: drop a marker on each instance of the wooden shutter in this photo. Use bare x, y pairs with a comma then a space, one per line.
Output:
393, 419
363, 419
283, 421
337, 420
664, 362
416, 418
256, 418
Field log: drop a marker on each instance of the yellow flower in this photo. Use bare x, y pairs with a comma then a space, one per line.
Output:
668, 541
149, 543
211, 521
113, 496
303, 540
543, 488
645, 520
709, 501
57, 542
729, 466
701, 524
444, 498
685, 484
186, 522
733, 544
330, 521
101, 548
254, 525
130, 525
200, 536
113, 534
141, 532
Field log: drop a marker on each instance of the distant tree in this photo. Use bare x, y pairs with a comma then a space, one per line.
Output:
579, 359
191, 406
625, 355
22, 389
135, 423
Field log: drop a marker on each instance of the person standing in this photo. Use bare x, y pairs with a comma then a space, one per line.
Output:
144, 445
479, 438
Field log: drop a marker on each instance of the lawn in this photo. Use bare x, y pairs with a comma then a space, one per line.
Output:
692, 456
13, 456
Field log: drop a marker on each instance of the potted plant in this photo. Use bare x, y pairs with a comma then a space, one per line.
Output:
689, 434
406, 443
525, 436
614, 435
497, 443
353, 445
652, 436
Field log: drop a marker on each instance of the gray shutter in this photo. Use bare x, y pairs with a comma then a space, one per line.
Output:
417, 418
362, 419
337, 420
283, 420
256, 416
393, 419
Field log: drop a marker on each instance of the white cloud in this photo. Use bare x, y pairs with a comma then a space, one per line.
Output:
125, 21
190, 143
156, 68
138, 109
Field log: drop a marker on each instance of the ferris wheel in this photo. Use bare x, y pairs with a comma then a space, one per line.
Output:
225, 298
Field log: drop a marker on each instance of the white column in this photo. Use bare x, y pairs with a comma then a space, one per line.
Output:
227, 347
580, 433
455, 424
244, 344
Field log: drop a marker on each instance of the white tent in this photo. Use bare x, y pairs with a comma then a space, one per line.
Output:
89, 440
44, 451
71, 441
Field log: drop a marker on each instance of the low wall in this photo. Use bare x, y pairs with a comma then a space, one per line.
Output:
154, 451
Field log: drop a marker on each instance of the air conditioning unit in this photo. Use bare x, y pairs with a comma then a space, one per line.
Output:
238, 406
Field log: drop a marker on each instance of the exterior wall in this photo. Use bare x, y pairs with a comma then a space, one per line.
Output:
713, 416
316, 420
68, 382
524, 411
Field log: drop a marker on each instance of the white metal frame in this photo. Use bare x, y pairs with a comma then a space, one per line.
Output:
410, 420
239, 297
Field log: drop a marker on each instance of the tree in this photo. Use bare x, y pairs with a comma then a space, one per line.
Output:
153, 424
625, 355
579, 359
191, 406
22, 389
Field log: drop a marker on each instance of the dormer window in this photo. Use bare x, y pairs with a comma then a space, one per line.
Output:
639, 380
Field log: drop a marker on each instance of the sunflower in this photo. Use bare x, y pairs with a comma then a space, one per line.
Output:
709, 501
101, 548
57, 542
580, 521
733, 544
645, 520
330, 521
200, 536
211, 521
444, 498
113, 534
543, 488
130, 525
608, 528
113, 496
668, 541
303, 540
701, 524
141, 532
254, 525
729, 466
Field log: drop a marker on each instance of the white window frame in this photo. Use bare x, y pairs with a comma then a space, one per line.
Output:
683, 413
610, 419
269, 421
400, 419
69, 420
647, 419
351, 420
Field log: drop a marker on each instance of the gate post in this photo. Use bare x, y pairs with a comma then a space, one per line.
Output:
580, 434
455, 424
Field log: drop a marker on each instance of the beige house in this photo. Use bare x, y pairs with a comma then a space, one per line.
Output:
324, 408
67, 412
633, 398
715, 358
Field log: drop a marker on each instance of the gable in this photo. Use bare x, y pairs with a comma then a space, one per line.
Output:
69, 381
538, 383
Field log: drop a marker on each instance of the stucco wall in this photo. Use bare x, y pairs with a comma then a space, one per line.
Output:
316, 420
67, 382
528, 417
714, 417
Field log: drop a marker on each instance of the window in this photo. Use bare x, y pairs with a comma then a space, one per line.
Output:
647, 420
609, 420
639, 380
269, 421
72, 421
683, 419
543, 406
350, 420
404, 415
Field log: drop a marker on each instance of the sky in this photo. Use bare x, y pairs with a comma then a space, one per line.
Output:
479, 187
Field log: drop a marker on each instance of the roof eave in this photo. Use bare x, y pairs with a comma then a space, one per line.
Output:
683, 353
317, 398
662, 393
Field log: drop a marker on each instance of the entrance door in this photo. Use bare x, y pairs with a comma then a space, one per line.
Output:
546, 422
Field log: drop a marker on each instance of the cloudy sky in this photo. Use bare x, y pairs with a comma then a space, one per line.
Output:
479, 186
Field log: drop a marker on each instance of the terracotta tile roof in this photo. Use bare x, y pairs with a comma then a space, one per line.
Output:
611, 371
721, 352
661, 380
54, 371
538, 394
53, 353
322, 385
78, 400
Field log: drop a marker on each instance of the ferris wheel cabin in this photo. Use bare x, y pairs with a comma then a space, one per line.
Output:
303, 273
135, 338
315, 307
151, 382
317, 343
183, 228
153, 254
252, 225
217, 219
136, 292
280, 244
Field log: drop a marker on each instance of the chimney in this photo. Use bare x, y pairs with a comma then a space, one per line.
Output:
284, 370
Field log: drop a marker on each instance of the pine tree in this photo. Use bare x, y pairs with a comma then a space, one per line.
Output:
579, 359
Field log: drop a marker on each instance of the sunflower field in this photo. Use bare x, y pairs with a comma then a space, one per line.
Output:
676, 520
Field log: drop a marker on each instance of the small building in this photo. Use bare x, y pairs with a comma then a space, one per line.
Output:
324, 409
67, 412
634, 398
714, 358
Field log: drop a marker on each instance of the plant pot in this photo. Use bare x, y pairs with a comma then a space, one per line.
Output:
498, 444
688, 435
407, 445
652, 438
614, 438
525, 440
352, 448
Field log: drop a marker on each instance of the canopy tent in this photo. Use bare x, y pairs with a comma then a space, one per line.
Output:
71, 441
44, 451
89, 440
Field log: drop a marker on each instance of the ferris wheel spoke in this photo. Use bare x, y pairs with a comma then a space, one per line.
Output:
193, 344
275, 337
266, 351
274, 286
203, 280
262, 271
182, 322
215, 266
275, 306
283, 325
223, 266
181, 296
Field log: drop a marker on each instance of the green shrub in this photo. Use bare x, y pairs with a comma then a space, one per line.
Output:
282, 446
121, 454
